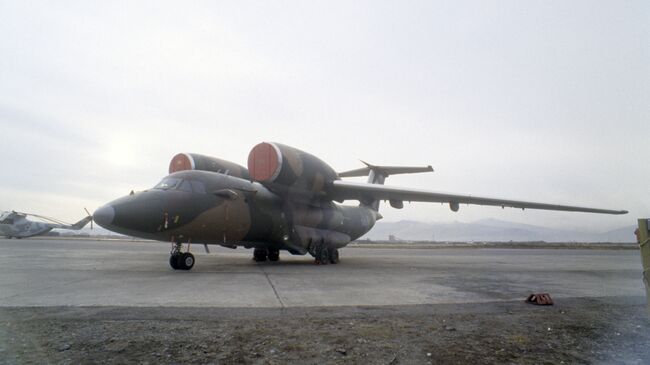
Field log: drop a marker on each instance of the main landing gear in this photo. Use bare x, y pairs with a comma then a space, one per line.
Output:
262, 254
324, 255
180, 260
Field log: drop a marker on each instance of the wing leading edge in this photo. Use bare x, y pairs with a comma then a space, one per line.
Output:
347, 190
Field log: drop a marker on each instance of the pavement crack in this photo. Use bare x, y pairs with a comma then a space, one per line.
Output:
277, 296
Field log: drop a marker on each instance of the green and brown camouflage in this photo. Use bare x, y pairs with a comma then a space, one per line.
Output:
285, 200
213, 208
194, 161
289, 172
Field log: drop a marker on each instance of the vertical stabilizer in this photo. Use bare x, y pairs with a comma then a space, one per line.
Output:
375, 176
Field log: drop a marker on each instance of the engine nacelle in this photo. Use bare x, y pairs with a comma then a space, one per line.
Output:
454, 206
194, 161
286, 169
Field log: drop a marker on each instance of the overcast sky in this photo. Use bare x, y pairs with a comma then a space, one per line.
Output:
546, 101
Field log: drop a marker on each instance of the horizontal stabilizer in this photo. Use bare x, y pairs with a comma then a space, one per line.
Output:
385, 170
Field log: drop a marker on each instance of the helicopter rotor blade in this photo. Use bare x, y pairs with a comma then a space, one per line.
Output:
91, 218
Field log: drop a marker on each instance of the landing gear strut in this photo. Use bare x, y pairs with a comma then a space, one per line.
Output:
180, 260
334, 255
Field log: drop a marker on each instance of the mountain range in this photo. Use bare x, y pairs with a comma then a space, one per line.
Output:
490, 230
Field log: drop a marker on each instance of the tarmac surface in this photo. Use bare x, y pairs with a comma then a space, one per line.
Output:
69, 301
60, 272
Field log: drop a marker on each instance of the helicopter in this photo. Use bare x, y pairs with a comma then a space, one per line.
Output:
16, 225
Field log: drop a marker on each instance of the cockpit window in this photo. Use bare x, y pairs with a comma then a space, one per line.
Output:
168, 183
198, 186
185, 186
174, 183
7, 221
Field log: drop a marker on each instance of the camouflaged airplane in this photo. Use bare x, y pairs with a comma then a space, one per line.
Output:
15, 224
285, 200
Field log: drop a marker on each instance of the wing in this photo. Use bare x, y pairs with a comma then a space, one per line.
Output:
346, 190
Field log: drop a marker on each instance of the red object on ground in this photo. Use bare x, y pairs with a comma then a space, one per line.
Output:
540, 299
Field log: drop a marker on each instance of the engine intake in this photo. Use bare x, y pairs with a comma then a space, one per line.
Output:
287, 169
194, 161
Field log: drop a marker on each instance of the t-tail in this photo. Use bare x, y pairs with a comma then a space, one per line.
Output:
377, 175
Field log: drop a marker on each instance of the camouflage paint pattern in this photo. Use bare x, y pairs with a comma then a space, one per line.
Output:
230, 211
290, 172
284, 200
194, 161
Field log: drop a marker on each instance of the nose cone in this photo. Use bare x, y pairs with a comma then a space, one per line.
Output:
139, 215
104, 216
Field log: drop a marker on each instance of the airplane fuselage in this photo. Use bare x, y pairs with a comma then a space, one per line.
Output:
213, 208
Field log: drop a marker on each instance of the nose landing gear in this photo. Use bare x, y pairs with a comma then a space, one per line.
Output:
180, 260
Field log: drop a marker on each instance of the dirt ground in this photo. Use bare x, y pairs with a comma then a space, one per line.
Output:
573, 331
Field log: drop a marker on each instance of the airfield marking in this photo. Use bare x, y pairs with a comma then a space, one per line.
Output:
272, 286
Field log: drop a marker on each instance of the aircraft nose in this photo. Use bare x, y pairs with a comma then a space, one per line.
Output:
104, 215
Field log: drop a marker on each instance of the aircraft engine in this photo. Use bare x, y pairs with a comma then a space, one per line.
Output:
194, 161
289, 170
454, 206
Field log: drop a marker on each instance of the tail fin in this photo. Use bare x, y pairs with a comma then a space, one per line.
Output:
378, 174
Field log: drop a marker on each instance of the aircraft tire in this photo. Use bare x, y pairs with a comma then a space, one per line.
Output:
334, 256
260, 254
186, 261
274, 255
173, 261
323, 255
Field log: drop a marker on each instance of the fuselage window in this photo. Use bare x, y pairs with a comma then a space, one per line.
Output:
198, 186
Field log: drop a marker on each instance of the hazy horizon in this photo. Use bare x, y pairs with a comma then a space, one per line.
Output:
546, 101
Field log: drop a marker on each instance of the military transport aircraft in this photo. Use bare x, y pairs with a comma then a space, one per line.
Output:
285, 200
16, 224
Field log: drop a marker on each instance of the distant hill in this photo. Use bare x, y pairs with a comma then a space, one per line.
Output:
490, 230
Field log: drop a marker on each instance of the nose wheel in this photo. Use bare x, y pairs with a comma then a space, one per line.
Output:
181, 260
